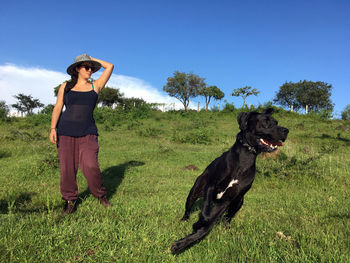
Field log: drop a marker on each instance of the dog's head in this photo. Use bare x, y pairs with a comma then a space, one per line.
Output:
261, 130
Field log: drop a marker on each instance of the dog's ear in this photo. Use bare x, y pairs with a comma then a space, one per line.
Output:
268, 111
242, 119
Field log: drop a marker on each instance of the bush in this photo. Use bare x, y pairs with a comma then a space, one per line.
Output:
47, 109
106, 114
150, 132
345, 115
50, 162
38, 119
24, 136
196, 136
229, 108
325, 114
4, 110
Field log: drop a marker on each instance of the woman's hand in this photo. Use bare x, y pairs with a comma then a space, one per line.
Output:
53, 136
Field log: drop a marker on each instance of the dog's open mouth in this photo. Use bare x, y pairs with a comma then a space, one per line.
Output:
271, 145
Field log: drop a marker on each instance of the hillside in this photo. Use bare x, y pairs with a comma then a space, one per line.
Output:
298, 209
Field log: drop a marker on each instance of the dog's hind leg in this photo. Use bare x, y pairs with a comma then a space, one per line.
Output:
200, 233
196, 192
235, 205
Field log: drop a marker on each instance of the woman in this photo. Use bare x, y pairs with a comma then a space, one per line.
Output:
75, 132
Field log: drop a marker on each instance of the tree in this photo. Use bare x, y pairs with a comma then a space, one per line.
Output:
47, 109
131, 103
26, 104
55, 90
108, 96
244, 93
183, 87
210, 92
345, 115
314, 96
286, 96
4, 110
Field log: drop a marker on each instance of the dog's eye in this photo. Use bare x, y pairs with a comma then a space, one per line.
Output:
268, 123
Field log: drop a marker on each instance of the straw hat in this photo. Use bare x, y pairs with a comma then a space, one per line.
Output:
83, 58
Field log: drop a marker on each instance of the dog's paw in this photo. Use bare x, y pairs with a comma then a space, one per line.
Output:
176, 248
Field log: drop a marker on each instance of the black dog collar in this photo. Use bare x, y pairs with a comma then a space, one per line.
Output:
245, 143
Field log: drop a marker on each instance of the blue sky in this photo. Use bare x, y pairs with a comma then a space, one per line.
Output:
231, 44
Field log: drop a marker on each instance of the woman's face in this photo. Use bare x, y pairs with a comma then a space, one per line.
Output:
85, 70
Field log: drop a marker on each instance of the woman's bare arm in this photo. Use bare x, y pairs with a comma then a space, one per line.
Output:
56, 113
102, 80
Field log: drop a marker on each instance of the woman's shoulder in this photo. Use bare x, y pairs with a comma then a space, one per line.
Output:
63, 85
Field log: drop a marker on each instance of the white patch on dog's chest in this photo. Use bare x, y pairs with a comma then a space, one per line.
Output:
219, 195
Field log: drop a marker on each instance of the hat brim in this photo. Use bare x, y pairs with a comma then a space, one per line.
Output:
95, 66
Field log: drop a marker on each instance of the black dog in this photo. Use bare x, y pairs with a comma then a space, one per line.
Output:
225, 181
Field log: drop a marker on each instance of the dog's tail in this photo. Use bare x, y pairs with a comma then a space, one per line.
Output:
188, 241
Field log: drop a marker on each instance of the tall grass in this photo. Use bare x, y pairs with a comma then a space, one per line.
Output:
298, 209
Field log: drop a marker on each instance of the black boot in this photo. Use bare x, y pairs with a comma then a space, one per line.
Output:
69, 207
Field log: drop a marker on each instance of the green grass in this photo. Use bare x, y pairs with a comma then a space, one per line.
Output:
303, 192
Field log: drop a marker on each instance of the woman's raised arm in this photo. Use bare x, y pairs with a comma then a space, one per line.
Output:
102, 80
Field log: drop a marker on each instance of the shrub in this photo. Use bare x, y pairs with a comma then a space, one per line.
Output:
4, 110
24, 136
229, 108
345, 115
149, 132
195, 136
38, 119
50, 162
325, 114
103, 114
134, 124
47, 109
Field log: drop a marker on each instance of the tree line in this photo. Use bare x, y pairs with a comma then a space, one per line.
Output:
308, 95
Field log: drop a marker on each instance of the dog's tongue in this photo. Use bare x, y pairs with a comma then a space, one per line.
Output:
278, 144
273, 143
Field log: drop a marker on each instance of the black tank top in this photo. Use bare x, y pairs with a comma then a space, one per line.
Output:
77, 119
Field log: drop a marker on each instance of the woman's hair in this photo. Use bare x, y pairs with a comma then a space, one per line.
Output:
70, 84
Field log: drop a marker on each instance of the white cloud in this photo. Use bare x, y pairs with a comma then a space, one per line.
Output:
37, 82
137, 88
40, 83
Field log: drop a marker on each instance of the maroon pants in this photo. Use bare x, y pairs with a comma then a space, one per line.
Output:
74, 152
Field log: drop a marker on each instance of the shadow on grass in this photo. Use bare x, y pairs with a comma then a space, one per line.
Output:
341, 216
338, 137
112, 178
22, 199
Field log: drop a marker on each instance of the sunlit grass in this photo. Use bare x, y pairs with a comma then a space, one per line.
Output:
303, 192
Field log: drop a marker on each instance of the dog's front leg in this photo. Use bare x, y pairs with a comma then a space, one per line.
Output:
234, 206
208, 197
196, 191
206, 210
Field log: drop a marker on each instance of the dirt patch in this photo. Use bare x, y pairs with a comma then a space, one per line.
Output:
191, 167
272, 155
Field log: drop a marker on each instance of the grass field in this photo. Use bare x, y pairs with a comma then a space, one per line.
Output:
298, 209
